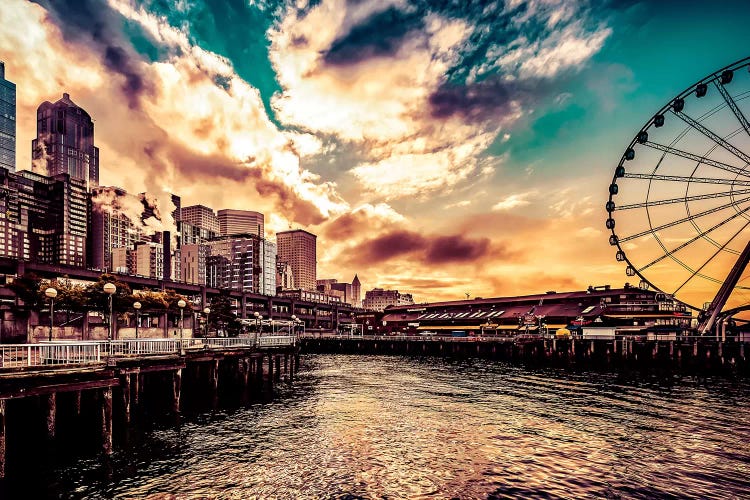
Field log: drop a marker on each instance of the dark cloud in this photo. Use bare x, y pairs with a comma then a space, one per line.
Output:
429, 249
379, 36
479, 102
95, 24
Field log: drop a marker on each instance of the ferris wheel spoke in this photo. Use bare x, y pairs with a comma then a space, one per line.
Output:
733, 106
700, 159
681, 178
713, 256
713, 136
689, 218
694, 239
656, 203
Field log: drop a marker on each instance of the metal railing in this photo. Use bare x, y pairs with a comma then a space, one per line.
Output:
87, 352
68, 353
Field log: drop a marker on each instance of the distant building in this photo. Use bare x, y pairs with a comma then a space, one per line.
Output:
311, 296
7, 122
240, 222
200, 216
111, 228
149, 260
378, 299
65, 141
356, 292
299, 249
333, 287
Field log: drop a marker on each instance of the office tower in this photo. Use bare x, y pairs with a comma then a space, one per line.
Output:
7, 122
298, 249
64, 141
245, 262
240, 222
193, 259
200, 216
356, 292
112, 227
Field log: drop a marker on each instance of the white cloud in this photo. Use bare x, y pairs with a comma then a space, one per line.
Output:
514, 201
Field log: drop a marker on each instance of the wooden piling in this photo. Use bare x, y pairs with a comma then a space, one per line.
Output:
176, 390
125, 390
278, 367
3, 409
106, 420
51, 416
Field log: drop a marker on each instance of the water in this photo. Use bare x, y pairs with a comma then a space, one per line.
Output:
395, 427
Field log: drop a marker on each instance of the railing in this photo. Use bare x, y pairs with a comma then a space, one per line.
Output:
19, 355
87, 352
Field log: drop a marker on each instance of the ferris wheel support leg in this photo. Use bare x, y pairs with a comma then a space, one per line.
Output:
725, 291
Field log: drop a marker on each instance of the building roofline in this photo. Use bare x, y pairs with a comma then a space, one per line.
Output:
297, 231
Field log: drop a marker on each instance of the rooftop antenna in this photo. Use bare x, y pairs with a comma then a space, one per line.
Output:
467, 295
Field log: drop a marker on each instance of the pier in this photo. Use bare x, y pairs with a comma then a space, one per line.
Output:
693, 355
106, 384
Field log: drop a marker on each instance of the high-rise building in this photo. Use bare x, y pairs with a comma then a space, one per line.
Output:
7, 122
242, 262
240, 222
193, 260
378, 299
44, 218
200, 216
284, 275
356, 292
65, 141
149, 260
299, 249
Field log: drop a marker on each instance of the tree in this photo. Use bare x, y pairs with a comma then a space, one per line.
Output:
97, 299
222, 317
27, 290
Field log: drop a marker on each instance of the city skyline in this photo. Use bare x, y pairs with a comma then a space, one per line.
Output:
415, 152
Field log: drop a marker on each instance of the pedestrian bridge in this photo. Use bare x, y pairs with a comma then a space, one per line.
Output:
96, 351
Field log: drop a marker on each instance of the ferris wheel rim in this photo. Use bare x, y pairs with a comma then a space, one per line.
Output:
614, 240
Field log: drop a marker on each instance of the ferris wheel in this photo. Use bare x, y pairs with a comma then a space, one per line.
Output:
679, 201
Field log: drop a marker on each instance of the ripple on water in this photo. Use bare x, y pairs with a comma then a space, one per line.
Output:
396, 427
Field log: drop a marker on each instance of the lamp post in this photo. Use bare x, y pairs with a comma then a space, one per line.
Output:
137, 307
110, 289
181, 304
294, 325
51, 293
207, 311
258, 319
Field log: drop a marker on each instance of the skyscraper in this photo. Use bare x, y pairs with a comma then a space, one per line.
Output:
65, 141
200, 216
299, 249
7, 122
240, 222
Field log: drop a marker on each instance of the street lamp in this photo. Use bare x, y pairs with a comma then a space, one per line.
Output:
181, 304
207, 310
294, 324
51, 293
110, 289
258, 319
137, 307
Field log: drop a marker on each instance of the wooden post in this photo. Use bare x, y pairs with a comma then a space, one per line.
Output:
106, 396
270, 371
77, 403
125, 389
246, 379
176, 390
278, 367
136, 377
259, 371
215, 383
296, 362
51, 414
3, 410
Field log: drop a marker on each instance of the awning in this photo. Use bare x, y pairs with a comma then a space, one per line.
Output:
557, 326
449, 327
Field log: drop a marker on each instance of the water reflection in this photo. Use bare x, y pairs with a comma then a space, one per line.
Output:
390, 427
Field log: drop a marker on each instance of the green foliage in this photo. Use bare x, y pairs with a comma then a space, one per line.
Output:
222, 318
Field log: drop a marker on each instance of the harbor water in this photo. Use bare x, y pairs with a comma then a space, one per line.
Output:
398, 427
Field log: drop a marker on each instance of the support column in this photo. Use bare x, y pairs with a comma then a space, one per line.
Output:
259, 371
278, 367
51, 414
136, 388
125, 389
3, 409
215, 382
246, 367
176, 390
106, 413
77, 403
270, 371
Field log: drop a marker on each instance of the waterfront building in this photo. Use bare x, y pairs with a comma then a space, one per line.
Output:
242, 262
200, 216
64, 141
7, 122
627, 310
299, 249
311, 296
378, 299
240, 222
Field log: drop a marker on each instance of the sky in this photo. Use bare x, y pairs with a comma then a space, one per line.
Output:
439, 148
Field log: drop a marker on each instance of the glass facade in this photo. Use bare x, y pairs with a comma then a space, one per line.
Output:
7, 122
